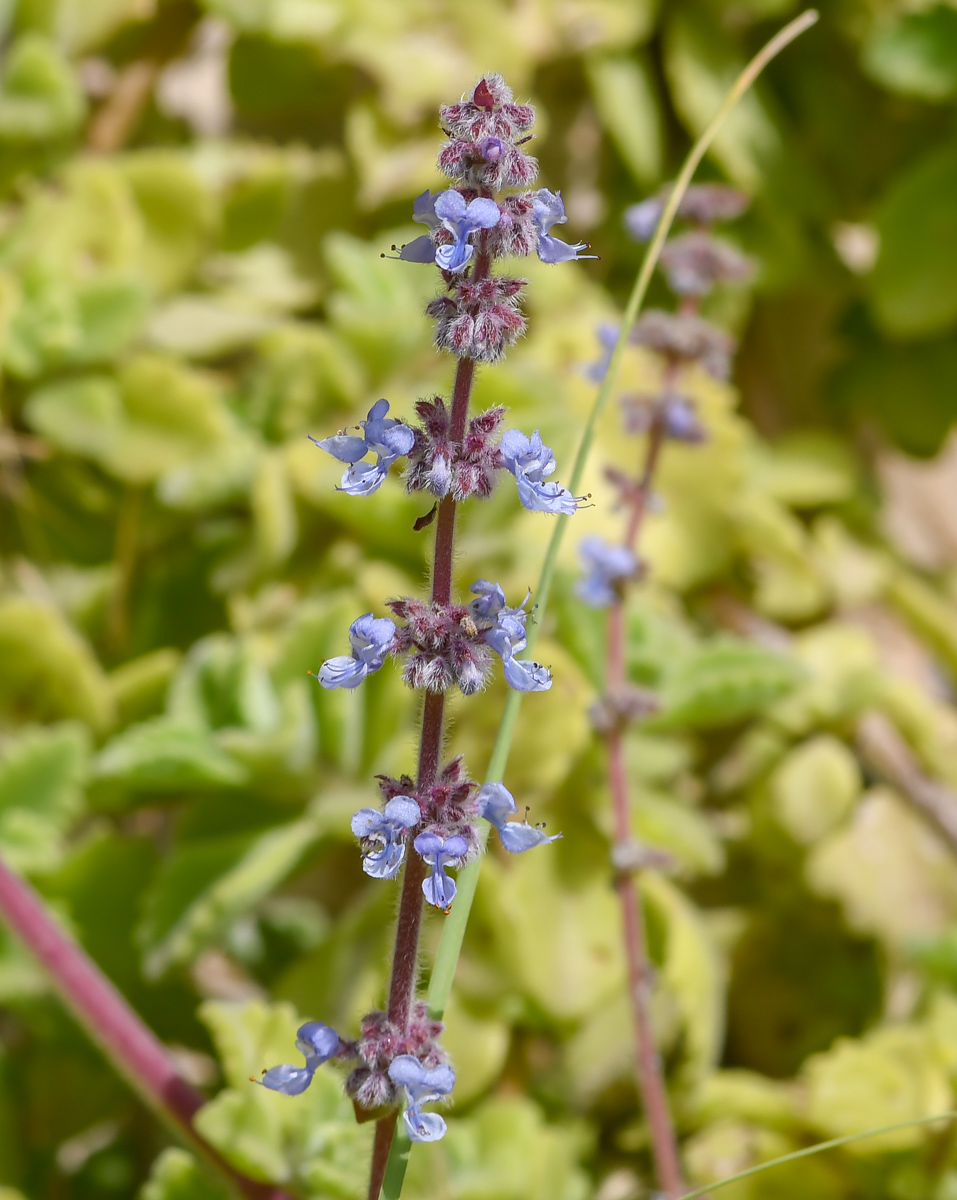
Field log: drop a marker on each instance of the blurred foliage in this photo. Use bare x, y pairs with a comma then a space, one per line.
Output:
195, 198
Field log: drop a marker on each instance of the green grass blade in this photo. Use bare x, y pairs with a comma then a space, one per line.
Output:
453, 931
818, 1148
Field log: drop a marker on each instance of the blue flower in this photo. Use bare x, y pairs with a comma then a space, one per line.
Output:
605, 566
641, 220
422, 249
317, 1042
548, 210
608, 333
421, 1085
489, 600
386, 828
462, 220
383, 436
496, 805
371, 639
438, 852
531, 462
503, 630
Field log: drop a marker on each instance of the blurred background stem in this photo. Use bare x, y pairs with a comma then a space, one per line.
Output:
101, 1010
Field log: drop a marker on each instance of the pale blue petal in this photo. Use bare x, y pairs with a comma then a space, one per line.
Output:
495, 802
428, 845
423, 210
519, 836
450, 205
289, 1080
439, 888
438, 1081
419, 250
362, 479
455, 847
385, 863
346, 447
403, 812
454, 257
366, 822
526, 676
424, 1127
546, 497
553, 250
317, 1041
342, 672
406, 1071
483, 213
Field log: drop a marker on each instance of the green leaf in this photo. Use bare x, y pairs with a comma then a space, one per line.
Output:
163, 755
40, 98
49, 671
139, 686
891, 873
692, 973
680, 830
871, 387
816, 787
807, 470
580, 963
628, 107
916, 54
506, 1151
723, 683
911, 286
891, 1075
176, 1175
477, 1045
41, 775
749, 1096
82, 417
178, 214
931, 614
840, 678
205, 886
201, 327
155, 416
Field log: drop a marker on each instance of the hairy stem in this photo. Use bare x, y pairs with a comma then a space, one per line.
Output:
409, 923
104, 1014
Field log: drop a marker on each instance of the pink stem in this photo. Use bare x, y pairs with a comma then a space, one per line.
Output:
103, 1012
654, 1096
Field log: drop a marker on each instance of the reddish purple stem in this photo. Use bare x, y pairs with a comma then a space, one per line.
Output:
651, 1083
103, 1012
409, 923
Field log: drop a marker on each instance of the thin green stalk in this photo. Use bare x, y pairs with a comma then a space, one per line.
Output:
816, 1149
453, 931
